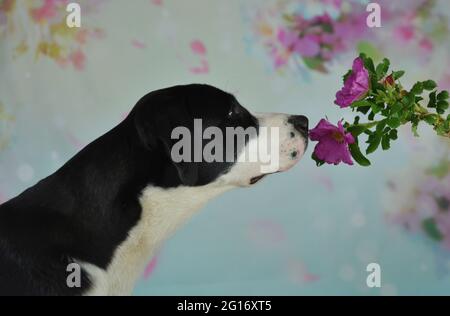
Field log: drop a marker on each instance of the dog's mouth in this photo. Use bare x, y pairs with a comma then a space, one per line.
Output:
257, 179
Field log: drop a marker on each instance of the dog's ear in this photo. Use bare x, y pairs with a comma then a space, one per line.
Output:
156, 116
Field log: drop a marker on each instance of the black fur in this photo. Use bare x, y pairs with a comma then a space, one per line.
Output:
86, 209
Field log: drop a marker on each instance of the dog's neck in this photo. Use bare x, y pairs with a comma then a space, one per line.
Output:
151, 212
161, 216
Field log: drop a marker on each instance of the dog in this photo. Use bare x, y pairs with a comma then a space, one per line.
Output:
109, 208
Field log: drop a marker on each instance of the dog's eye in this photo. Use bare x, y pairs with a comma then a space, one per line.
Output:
230, 114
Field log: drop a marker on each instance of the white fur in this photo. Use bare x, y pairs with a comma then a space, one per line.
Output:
164, 210
242, 172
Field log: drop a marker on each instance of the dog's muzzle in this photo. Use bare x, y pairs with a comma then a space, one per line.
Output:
300, 123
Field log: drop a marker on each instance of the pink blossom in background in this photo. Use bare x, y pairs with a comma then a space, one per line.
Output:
307, 46
92, 6
444, 82
325, 181
47, 11
321, 19
157, 2
198, 47
266, 233
74, 141
431, 201
336, 3
53, 40
202, 69
348, 31
151, 267
404, 33
435, 186
316, 40
98, 33
443, 224
81, 36
78, 59
426, 45
138, 44
288, 44
410, 220
3, 18
299, 273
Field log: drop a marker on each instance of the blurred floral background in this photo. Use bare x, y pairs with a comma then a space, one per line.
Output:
61, 88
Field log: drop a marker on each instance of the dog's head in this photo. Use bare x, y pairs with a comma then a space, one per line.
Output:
206, 136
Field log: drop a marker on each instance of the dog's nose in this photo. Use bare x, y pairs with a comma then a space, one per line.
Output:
300, 123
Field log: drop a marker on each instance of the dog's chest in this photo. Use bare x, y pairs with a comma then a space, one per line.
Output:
163, 211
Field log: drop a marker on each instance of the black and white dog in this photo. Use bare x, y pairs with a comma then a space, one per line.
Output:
111, 206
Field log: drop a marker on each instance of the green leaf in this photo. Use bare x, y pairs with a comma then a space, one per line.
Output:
380, 126
414, 127
360, 103
405, 115
363, 109
317, 160
314, 63
376, 86
408, 100
393, 122
443, 95
417, 88
347, 74
358, 156
369, 50
397, 107
393, 134
328, 28
382, 68
429, 85
441, 106
376, 107
441, 130
368, 63
356, 130
430, 227
432, 101
430, 119
374, 142
383, 95
398, 74
386, 142
440, 170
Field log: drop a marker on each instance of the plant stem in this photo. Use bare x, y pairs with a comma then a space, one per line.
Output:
366, 125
